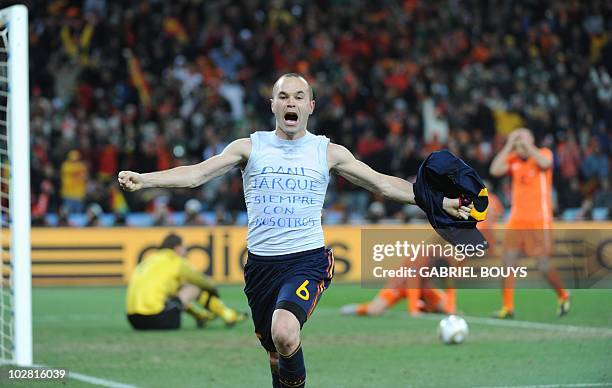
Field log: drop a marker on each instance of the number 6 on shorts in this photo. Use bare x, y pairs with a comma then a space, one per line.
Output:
302, 291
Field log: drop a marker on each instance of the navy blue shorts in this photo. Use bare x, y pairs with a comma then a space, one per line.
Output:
292, 282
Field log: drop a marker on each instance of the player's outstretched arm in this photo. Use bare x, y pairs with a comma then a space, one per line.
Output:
193, 175
342, 161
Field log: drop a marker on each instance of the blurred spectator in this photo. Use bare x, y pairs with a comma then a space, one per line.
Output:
118, 203
62, 217
107, 160
376, 212
221, 217
161, 212
74, 182
595, 167
595, 173
41, 202
228, 59
94, 211
566, 176
568, 155
193, 207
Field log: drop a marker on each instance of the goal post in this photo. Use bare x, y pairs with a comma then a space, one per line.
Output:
15, 150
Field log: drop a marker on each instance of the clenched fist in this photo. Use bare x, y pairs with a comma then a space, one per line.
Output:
130, 181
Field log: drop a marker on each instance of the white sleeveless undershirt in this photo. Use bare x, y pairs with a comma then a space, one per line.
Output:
284, 183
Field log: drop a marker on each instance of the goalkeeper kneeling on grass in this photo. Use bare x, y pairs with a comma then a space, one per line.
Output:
165, 284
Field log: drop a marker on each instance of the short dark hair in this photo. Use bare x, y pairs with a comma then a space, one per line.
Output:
295, 75
171, 241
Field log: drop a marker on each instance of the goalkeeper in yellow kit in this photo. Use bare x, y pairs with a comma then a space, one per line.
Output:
165, 284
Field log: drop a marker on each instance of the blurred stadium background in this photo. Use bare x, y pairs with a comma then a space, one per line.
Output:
147, 85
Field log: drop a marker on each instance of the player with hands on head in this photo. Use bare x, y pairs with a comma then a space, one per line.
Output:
530, 221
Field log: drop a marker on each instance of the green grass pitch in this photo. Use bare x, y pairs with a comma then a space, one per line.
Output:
84, 329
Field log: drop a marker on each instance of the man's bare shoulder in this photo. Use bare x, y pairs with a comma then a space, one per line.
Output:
336, 154
241, 147
244, 142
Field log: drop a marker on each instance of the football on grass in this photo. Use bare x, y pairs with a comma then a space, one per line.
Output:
453, 330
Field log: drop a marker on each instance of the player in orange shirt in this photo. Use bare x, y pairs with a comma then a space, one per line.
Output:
530, 219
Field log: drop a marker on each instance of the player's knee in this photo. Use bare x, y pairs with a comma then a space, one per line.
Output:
286, 335
286, 339
187, 293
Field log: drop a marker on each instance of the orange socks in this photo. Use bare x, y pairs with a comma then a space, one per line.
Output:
451, 300
413, 295
508, 293
552, 276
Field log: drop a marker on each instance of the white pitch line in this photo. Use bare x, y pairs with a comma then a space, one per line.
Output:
98, 381
91, 379
576, 385
529, 325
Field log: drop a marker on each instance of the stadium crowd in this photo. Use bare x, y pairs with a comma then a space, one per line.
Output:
150, 84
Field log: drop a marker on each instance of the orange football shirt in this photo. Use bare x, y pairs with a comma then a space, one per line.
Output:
531, 193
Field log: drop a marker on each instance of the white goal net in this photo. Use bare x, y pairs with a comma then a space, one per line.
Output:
15, 303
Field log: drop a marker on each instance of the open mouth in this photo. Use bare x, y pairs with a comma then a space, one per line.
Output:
291, 118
